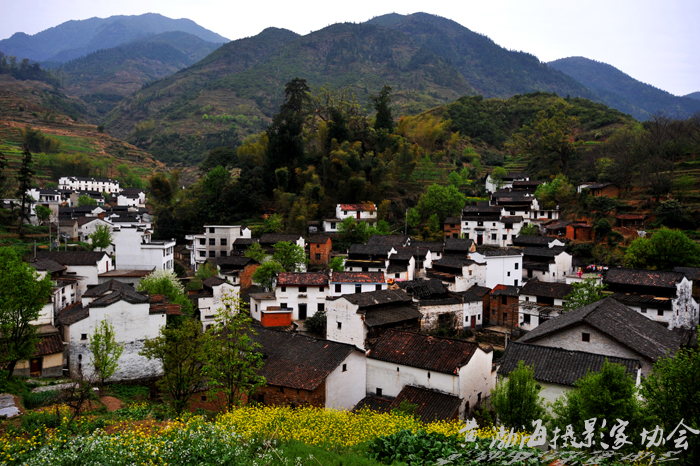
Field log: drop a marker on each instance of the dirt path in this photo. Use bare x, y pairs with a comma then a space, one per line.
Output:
111, 403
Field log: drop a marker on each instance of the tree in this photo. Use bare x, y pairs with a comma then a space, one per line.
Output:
663, 251
381, 104
24, 178
497, 175
584, 293
256, 252
266, 273
205, 271
670, 394
181, 351
105, 351
86, 200
43, 213
441, 200
291, 257
602, 229
670, 213
609, 394
336, 264
559, 192
233, 357
529, 230
226, 157
101, 238
516, 400
352, 232
22, 296
165, 282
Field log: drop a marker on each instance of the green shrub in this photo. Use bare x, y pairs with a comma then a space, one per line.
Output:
37, 400
34, 421
130, 392
414, 449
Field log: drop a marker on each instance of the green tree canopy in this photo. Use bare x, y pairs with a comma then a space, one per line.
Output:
559, 192
106, 351
266, 273
291, 257
101, 238
584, 293
663, 251
441, 200
165, 282
516, 400
22, 296
256, 252
86, 200
43, 213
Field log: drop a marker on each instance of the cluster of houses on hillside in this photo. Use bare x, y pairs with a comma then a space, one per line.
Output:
383, 310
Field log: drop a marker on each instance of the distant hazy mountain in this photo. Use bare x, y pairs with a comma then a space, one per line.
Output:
623, 92
694, 95
105, 77
489, 68
74, 39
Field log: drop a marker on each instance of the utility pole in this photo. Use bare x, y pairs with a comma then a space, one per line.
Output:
405, 227
34, 249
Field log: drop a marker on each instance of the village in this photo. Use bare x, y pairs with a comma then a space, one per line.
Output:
430, 323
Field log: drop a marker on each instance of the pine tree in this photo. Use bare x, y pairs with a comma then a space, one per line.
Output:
24, 178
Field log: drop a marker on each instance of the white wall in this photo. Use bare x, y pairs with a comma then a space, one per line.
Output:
475, 378
352, 329
292, 298
501, 270
382, 374
349, 288
345, 389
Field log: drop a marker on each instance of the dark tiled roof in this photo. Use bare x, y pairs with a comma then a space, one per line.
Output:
619, 322
599, 185
522, 240
123, 273
453, 221
423, 288
369, 249
357, 277
548, 290
641, 277
501, 252
388, 240
396, 268
73, 314
527, 183
643, 301
376, 317
557, 365
470, 296
213, 281
505, 290
112, 291
72, 257
452, 262
479, 290
631, 216
543, 252
557, 225
49, 344
458, 244
432, 405
691, 273
319, 239
272, 238
534, 265
481, 208
47, 265
244, 241
410, 251
432, 246
231, 262
512, 219
436, 354
303, 279
297, 361
376, 298
374, 403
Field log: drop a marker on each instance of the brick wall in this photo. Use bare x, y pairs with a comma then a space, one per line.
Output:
504, 314
324, 252
284, 396
246, 275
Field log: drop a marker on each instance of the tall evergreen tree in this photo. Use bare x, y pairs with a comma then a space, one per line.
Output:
381, 102
24, 178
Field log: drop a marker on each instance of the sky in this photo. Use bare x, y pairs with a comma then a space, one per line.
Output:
652, 41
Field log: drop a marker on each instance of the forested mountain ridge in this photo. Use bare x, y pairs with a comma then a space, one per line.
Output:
74, 39
623, 92
489, 68
105, 77
693, 95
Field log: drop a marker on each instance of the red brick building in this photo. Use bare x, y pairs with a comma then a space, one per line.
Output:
579, 232
320, 250
604, 189
504, 308
452, 227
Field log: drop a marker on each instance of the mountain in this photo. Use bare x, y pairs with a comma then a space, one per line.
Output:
105, 77
235, 91
489, 68
694, 95
74, 39
623, 92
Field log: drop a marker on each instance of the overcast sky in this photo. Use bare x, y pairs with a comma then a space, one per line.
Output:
653, 41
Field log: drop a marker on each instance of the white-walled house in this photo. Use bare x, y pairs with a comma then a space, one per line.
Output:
442, 308
458, 367
355, 282
216, 241
458, 273
665, 297
134, 316
303, 371
85, 266
304, 293
134, 249
64, 292
361, 212
210, 299
547, 264
540, 301
556, 370
360, 319
507, 182
503, 266
608, 328
81, 183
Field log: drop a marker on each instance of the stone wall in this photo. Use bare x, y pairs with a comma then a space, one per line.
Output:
285, 396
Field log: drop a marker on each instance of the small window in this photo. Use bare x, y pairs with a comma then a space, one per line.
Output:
320, 307
281, 389
378, 287
493, 236
212, 241
321, 288
358, 288
504, 299
340, 325
223, 241
302, 289
478, 397
283, 305
224, 253
379, 392
478, 317
585, 337
83, 336
318, 256
337, 288
517, 266
509, 274
527, 298
644, 310
202, 242
212, 253
345, 367
397, 275
202, 253
505, 237
212, 230
428, 374
526, 319
494, 224
660, 312
397, 368
283, 289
